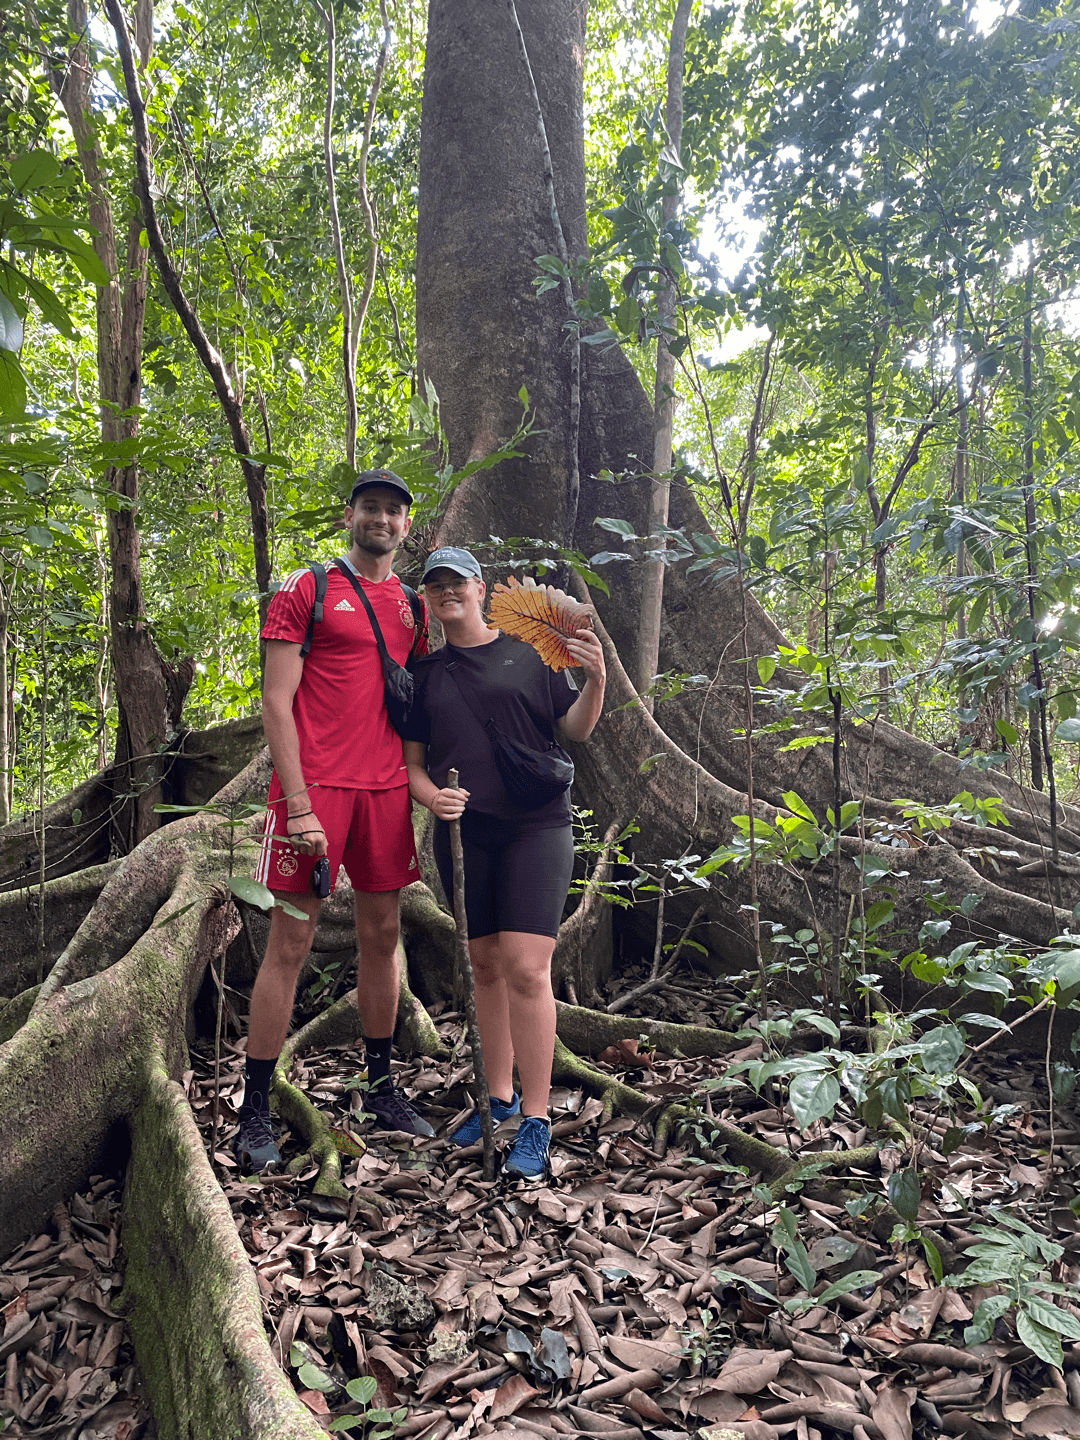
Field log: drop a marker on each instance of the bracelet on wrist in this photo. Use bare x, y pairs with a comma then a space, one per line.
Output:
300, 815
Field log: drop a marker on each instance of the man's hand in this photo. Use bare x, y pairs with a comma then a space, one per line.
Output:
306, 834
448, 804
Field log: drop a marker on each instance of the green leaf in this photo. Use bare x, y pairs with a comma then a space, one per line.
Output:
941, 1049
346, 1422
1052, 1317
51, 309
315, 1379
1045, 1343
813, 1096
86, 259
820, 1022
895, 1094
362, 1389
766, 668
846, 1284
1007, 730
987, 1312
252, 892
1069, 729
34, 169
40, 535
905, 1193
1064, 970
627, 315
933, 1258
795, 803
12, 388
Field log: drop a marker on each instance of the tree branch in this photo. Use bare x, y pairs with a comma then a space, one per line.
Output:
212, 362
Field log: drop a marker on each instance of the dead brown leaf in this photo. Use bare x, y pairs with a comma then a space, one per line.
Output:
891, 1411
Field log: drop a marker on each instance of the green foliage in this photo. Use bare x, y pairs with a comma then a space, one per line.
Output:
372, 1422
1014, 1261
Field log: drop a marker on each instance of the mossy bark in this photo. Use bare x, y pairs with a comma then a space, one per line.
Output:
189, 1291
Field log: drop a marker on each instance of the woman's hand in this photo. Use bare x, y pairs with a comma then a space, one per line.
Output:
588, 653
448, 804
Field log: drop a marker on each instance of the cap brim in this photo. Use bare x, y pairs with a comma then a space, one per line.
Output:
454, 570
381, 485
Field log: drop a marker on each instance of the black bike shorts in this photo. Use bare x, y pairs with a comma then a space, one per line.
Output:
516, 876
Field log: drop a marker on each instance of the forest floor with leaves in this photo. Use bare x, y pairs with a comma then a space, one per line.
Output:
633, 1294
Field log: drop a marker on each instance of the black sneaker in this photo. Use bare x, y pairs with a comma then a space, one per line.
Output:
255, 1147
393, 1112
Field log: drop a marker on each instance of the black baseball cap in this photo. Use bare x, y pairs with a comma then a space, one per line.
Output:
368, 479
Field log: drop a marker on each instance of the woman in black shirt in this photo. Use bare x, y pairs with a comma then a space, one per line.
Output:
518, 862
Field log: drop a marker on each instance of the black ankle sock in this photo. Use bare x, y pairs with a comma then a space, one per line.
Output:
378, 1059
258, 1075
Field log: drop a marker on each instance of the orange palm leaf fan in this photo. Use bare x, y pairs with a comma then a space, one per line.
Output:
540, 615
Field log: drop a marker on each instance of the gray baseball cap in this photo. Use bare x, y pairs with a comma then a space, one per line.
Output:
450, 557
368, 479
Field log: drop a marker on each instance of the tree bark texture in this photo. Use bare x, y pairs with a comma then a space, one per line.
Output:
483, 166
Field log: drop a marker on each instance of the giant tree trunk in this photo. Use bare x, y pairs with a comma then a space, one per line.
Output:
482, 335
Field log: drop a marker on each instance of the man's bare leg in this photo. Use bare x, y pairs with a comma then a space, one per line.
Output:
272, 999
377, 988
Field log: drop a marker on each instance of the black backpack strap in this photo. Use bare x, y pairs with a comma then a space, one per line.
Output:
319, 571
418, 618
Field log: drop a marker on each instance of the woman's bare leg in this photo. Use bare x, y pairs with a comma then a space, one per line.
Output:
492, 1011
525, 962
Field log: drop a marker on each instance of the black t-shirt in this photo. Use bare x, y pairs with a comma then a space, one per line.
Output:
505, 680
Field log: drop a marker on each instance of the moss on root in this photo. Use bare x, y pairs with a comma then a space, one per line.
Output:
189, 1291
587, 1032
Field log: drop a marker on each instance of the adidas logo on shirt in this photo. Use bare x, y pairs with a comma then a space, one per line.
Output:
343, 605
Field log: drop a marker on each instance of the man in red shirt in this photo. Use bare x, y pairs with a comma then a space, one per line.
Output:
340, 790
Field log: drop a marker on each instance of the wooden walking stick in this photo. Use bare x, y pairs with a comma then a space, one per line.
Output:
472, 1025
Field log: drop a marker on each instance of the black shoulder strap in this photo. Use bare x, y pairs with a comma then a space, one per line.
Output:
417, 615
463, 690
414, 606
319, 571
384, 654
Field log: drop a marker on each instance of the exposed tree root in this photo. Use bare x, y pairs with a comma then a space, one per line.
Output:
68, 899
75, 1069
15, 1012
308, 1121
778, 1168
692, 807
134, 892
189, 1291
582, 959
587, 1032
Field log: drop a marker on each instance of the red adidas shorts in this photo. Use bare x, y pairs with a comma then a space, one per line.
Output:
367, 831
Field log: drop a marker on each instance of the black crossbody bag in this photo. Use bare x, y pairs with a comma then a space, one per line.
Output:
531, 777
398, 687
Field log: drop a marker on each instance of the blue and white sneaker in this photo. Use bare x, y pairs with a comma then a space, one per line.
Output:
528, 1158
468, 1133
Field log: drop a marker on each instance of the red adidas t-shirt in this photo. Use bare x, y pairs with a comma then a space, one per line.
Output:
346, 738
